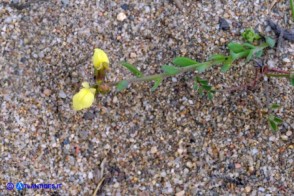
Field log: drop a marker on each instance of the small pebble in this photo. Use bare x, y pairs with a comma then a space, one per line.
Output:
47, 92
261, 189
271, 63
247, 189
222, 40
181, 193
133, 55
153, 150
223, 24
125, 6
238, 165
254, 151
286, 60
90, 175
115, 100
121, 16
288, 133
284, 137
62, 94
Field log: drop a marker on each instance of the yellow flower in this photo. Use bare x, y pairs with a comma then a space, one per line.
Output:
84, 98
100, 59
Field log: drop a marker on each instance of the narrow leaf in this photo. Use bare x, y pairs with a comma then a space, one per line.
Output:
202, 67
196, 85
270, 41
156, 84
183, 61
250, 55
250, 46
218, 58
240, 54
132, 69
210, 96
259, 53
200, 91
170, 69
227, 64
273, 125
122, 85
207, 87
236, 47
201, 81
292, 78
278, 120
275, 106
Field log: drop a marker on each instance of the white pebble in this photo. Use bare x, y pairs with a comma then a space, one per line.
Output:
153, 149
254, 151
271, 63
114, 100
90, 175
286, 60
261, 189
284, 137
121, 16
289, 133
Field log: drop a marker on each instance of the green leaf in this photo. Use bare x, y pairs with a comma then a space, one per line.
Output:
236, 47
201, 81
240, 54
292, 78
250, 46
270, 41
132, 69
183, 61
250, 55
259, 53
218, 58
200, 91
250, 35
122, 85
275, 106
278, 120
156, 84
206, 87
196, 85
210, 96
202, 67
170, 69
273, 125
227, 64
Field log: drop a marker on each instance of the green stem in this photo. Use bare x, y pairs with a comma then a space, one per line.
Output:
165, 75
278, 75
292, 8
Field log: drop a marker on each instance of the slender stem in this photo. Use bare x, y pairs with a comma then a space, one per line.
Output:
165, 75
278, 71
292, 8
277, 75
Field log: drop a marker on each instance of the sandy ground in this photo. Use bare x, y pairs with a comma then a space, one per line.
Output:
170, 142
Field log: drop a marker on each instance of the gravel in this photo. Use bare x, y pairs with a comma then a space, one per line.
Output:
169, 142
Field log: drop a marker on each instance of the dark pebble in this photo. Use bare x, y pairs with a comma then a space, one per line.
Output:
124, 7
231, 166
66, 141
223, 24
89, 116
